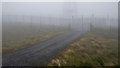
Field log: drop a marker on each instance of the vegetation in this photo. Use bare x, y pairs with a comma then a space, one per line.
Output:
96, 48
18, 36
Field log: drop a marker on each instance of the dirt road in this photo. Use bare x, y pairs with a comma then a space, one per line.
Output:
40, 53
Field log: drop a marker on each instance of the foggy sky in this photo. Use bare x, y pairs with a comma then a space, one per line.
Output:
53, 9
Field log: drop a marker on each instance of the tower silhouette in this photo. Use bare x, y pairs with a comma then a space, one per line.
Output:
70, 12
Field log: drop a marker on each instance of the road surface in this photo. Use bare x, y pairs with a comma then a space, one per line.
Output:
40, 53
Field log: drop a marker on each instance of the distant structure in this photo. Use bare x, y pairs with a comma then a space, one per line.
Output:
70, 12
109, 23
69, 9
92, 22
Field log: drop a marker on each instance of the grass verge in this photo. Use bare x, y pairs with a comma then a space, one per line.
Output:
98, 48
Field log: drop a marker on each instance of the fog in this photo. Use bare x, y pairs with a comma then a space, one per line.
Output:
26, 17
58, 8
52, 26
61, 13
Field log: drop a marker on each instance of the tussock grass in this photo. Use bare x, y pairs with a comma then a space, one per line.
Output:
97, 48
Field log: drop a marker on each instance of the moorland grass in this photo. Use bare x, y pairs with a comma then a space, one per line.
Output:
96, 48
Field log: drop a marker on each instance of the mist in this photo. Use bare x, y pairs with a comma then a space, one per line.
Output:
58, 10
41, 30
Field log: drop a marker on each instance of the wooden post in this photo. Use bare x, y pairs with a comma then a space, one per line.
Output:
82, 25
